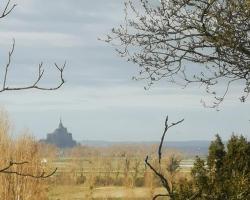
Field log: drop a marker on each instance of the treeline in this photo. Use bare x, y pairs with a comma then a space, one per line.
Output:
224, 175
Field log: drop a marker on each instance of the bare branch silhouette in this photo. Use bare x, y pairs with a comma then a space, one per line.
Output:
8, 9
7, 170
163, 135
35, 85
187, 41
38, 79
164, 180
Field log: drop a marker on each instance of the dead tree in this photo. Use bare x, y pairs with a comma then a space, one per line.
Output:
164, 180
166, 183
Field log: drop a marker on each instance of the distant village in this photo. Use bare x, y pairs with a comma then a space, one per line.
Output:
60, 137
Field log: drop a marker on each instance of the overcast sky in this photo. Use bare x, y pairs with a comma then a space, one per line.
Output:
99, 100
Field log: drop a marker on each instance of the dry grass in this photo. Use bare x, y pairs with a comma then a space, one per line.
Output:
108, 174
24, 148
80, 192
116, 172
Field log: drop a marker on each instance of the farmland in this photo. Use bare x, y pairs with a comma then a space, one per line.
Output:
110, 173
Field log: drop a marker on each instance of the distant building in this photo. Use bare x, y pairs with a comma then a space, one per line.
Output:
60, 137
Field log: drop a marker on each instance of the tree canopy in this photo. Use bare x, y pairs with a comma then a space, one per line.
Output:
226, 173
223, 174
186, 41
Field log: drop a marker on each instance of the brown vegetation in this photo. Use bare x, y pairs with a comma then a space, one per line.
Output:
95, 169
25, 161
22, 167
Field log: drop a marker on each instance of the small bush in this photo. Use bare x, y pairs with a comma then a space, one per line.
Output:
80, 179
139, 182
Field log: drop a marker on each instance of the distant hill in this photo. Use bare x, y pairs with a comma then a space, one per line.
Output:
190, 148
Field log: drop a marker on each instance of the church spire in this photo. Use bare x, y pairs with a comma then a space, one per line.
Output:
60, 124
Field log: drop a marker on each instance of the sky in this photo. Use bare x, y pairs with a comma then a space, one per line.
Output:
99, 100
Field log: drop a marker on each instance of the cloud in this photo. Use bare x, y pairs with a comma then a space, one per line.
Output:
94, 98
41, 39
99, 100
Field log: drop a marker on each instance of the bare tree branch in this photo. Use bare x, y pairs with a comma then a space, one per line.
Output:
7, 170
163, 136
8, 9
11, 164
160, 195
164, 180
38, 79
8, 64
167, 38
35, 85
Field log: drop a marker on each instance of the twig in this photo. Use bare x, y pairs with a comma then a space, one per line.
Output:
163, 136
7, 10
38, 79
6, 170
11, 163
160, 195
163, 179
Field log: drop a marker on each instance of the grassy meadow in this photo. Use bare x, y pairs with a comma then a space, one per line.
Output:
83, 172
115, 172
